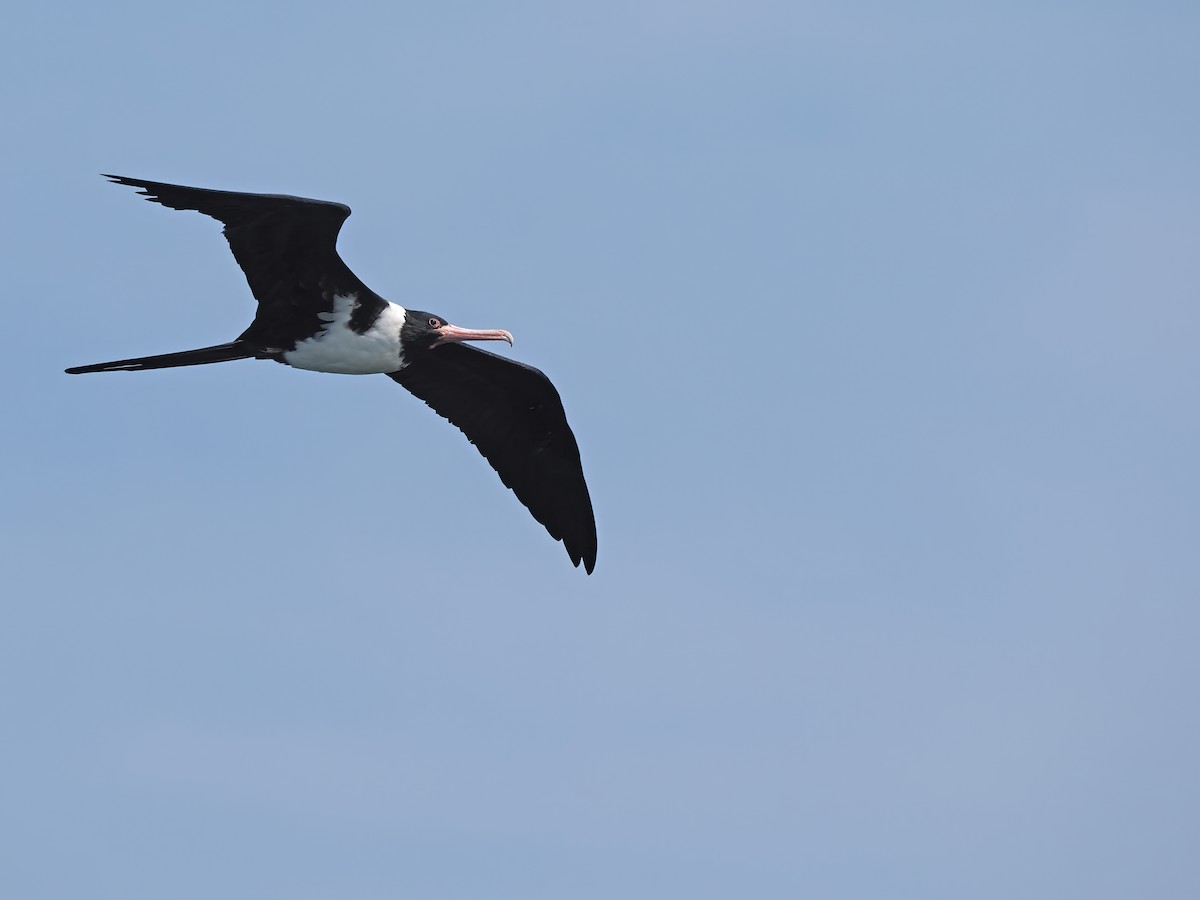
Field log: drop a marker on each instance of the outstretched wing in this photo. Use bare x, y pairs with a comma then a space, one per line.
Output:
287, 246
513, 415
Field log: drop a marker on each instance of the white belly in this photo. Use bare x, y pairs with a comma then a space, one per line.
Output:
339, 350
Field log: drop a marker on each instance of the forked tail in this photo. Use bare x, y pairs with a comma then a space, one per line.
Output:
219, 353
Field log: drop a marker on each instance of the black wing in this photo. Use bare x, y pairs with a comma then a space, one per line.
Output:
513, 415
287, 246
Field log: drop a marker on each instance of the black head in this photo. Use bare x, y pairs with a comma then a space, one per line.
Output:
422, 331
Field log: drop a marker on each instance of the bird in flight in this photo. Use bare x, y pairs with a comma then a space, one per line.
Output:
314, 313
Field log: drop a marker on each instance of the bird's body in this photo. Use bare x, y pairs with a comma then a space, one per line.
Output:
314, 313
340, 349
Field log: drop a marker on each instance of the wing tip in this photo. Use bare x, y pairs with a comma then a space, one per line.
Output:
147, 189
586, 557
182, 196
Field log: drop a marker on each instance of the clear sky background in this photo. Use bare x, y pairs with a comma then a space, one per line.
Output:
877, 326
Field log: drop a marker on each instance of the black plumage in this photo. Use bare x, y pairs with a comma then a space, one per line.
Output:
514, 416
286, 246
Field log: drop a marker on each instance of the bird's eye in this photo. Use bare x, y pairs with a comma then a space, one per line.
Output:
435, 322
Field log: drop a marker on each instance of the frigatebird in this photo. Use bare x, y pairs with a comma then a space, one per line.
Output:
314, 313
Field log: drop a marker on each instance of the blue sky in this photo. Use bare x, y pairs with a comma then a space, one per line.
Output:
876, 324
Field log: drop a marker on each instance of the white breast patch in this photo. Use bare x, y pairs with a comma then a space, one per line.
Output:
339, 350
